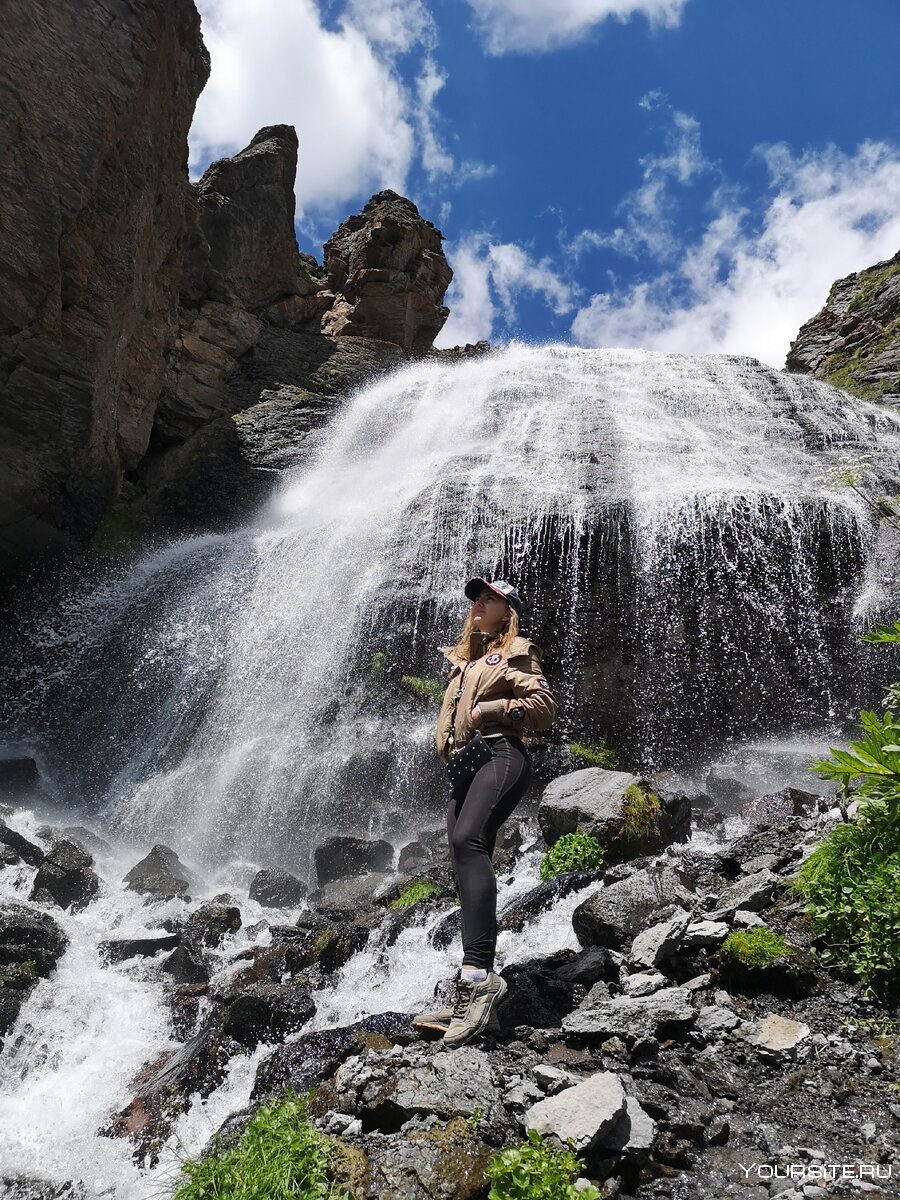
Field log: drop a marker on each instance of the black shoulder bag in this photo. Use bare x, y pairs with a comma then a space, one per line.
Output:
465, 762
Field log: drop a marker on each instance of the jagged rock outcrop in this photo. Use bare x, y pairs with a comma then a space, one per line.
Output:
389, 274
854, 342
94, 202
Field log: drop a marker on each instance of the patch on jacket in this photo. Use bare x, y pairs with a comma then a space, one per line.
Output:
493, 659
542, 681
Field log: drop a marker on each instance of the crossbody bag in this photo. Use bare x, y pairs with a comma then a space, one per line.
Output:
467, 761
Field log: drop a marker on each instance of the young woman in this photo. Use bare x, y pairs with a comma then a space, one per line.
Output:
495, 688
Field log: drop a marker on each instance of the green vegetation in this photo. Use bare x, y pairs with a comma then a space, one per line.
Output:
595, 754
376, 664
116, 535
757, 948
432, 689
573, 852
422, 889
534, 1170
848, 363
870, 281
280, 1156
640, 813
475, 1118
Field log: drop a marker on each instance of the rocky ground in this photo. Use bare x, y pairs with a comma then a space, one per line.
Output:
676, 1071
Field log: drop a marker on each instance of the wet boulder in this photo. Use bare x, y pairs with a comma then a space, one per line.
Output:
211, 923
342, 856
777, 807
30, 944
523, 910
538, 994
27, 851
160, 874
118, 950
350, 893
66, 877
185, 965
616, 914
265, 1012
79, 834
326, 940
277, 889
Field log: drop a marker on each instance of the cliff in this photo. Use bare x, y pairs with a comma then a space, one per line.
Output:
854, 342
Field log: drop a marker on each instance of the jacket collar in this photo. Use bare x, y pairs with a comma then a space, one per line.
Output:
519, 645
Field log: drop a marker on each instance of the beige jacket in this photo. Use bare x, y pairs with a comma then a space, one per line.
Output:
496, 682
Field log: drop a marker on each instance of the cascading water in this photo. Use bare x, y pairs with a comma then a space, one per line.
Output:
239, 696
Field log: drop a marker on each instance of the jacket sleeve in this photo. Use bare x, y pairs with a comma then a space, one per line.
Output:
531, 692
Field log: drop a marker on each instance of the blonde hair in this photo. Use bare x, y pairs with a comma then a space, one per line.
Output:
501, 640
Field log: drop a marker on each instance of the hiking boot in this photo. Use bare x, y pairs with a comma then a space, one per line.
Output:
474, 1009
437, 1019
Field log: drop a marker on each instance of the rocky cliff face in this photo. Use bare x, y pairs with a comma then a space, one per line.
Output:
94, 202
854, 342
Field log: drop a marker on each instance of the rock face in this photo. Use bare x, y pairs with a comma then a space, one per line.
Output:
30, 944
389, 274
94, 200
854, 342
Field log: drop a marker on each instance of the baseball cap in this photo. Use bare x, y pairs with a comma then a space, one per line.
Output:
509, 593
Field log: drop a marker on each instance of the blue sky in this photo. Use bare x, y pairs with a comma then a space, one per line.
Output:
685, 175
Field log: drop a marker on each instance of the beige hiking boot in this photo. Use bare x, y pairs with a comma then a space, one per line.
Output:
474, 1010
436, 1019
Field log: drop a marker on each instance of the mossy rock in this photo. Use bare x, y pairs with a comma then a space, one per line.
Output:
751, 961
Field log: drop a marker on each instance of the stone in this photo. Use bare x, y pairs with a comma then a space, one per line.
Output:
160, 874
119, 950
343, 856
776, 1034
27, 851
276, 889
186, 965
713, 1021
30, 944
633, 1134
388, 273
265, 1012
657, 944
324, 942
95, 199
537, 995
85, 838
585, 1113
211, 923
66, 877
435, 1163
662, 1014
751, 892
616, 914
777, 807
589, 966
643, 983
700, 934
349, 894
518, 913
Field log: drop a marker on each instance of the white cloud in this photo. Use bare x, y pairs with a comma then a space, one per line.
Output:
488, 278
508, 26
274, 62
437, 161
746, 290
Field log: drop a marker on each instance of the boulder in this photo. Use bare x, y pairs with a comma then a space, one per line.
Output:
525, 908
30, 944
276, 889
65, 877
537, 994
616, 808
388, 273
777, 807
658, 943
350, 894
119, 950
586, 1113
343, 856
616, 914
211, 923
323, 941
750, 892
426, 1163
778, 1036
89, 841
20, 846
186, 965
662, 1014
160, 874
265, 1012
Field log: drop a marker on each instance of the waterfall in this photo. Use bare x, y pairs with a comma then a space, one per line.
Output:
686, 573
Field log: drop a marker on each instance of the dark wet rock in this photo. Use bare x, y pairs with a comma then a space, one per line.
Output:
538, 995
20, 846
265, 1012
521, 912
777, 807
66, 878
18, 774
276, 889
342, 856
85, 838
8, 856
211, 923
161, 874
185, 964
782, 841
313, 1057
351, 894
726, 791
118, 950
616, 914
30, 944
589, 966
447, 930
184, 1005
322, 940
20, 1187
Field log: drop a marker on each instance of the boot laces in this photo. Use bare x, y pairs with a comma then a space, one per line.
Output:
464, 990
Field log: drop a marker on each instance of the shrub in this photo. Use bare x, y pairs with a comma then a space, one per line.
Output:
536, 1171
595, 754
573, 852
422, 889
431, 689
757, 948
280, 1157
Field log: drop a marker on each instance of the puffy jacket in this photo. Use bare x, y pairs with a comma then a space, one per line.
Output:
496, 682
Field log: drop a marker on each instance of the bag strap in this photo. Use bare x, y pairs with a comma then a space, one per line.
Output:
456, 699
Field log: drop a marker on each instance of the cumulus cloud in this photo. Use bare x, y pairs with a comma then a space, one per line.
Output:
488, 279
510, 26
746, 285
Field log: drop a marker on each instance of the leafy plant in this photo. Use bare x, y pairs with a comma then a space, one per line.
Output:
573, 852
534, 1170
640, 812
279, 1157
432, 689
758, 947
475, 1118
422, 889
595, 754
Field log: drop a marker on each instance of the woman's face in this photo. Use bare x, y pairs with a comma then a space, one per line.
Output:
489, 611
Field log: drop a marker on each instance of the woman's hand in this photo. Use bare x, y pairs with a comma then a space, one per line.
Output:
475, 716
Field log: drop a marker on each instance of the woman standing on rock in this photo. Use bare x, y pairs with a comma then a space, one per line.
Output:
495, 691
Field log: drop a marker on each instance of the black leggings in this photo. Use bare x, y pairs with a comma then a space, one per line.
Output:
473, 818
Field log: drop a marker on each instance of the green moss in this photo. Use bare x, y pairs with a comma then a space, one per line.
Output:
116, 535
279, 1156
535, 1170
757, 948
376, 664
422, 889
871, 281
431, 689
573, 852
640, 813
847, 365
595, 754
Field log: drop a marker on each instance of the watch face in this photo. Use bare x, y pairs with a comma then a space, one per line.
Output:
516, 714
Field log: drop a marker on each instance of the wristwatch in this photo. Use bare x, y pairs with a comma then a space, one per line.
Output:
516, 714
